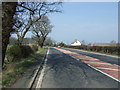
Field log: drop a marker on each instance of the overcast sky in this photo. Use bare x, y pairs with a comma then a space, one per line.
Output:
89, 21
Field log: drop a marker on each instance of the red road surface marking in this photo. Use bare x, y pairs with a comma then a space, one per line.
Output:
108, 68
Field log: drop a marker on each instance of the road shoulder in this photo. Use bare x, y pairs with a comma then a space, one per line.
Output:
27, 79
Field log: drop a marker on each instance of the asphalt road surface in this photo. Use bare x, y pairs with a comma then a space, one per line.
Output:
63, 71
101, 57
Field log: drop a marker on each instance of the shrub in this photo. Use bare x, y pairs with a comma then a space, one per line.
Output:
26, 50
13, 52
61, 44
34, 47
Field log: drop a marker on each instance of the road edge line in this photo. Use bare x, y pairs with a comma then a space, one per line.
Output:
35, 75
39, 83
103, 73
93, 67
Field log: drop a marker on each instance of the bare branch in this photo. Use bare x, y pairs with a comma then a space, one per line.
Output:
25, 7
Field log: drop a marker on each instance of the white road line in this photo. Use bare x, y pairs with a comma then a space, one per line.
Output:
117, 65
85, 59
97, 62
72, 56
82, 58
90, 59
108, 68
30, 83
104, 73
39, 83
98, 69
78, 59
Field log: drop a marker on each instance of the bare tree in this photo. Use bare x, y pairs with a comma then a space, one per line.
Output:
29, 13
49, 42
19, 16
41, 29
83, 42
113, 41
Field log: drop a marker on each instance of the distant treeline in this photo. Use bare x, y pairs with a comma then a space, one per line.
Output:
103, 49
27, 41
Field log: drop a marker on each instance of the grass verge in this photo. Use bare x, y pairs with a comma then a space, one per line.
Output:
14, 70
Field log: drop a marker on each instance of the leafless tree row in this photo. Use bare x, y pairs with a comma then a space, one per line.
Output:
41, 29
21, 17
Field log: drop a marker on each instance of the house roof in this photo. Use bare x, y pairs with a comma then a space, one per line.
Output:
75, 41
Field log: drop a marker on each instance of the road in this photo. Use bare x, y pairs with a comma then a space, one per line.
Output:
101, 57
63, 71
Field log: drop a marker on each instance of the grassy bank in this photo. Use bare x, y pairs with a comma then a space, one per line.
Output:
14, 70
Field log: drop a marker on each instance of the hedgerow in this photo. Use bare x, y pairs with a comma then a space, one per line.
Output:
15, 52
104, 49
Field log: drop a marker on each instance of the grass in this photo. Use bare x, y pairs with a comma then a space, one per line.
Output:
14, 70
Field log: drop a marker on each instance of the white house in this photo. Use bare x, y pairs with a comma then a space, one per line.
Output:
76, 43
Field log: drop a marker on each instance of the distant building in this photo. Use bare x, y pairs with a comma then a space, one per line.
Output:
102, 44
76, 43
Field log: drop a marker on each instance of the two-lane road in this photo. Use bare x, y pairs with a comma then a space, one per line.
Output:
113, 60
63, 71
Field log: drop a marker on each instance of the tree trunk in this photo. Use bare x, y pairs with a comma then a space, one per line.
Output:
8, 11
42, 42
39, 42
20, 40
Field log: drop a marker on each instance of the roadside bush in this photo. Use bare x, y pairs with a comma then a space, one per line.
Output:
26, 50
34, 47
13, 52
118, 51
